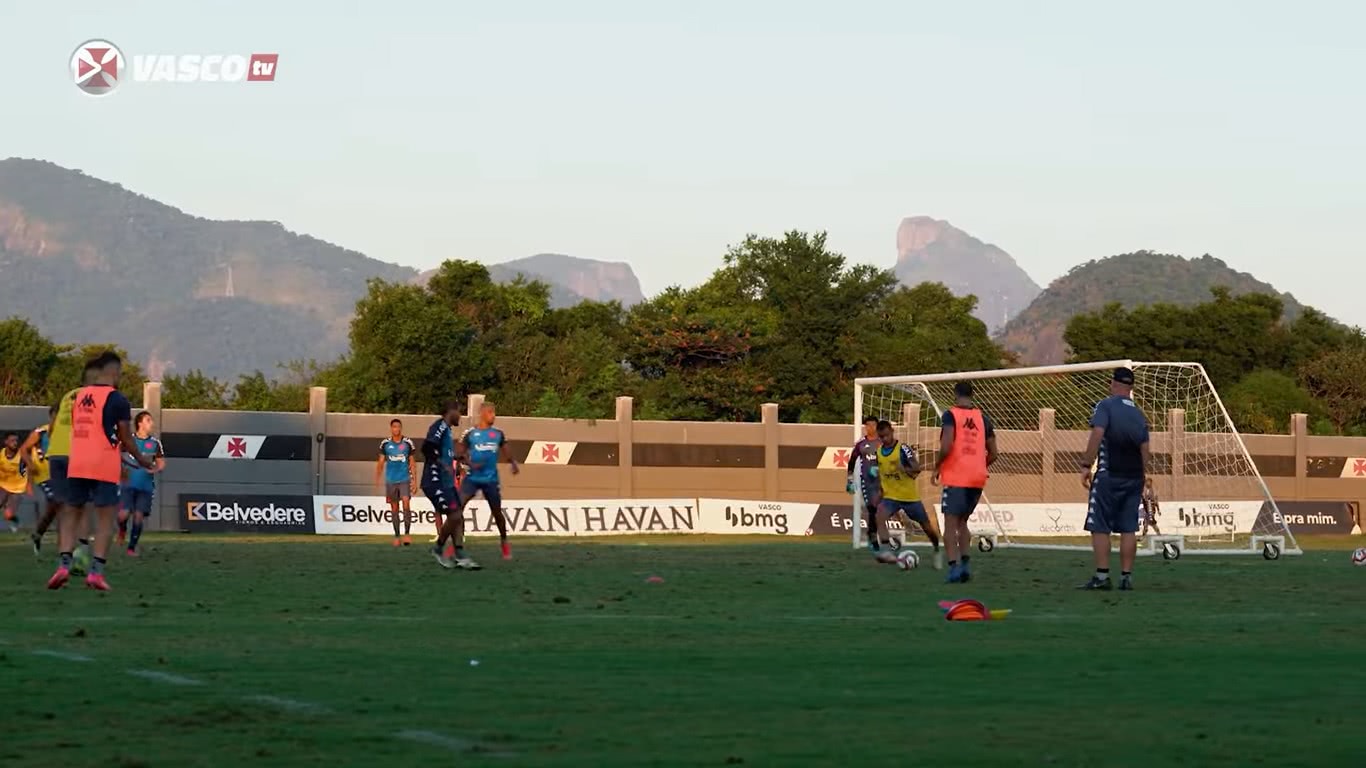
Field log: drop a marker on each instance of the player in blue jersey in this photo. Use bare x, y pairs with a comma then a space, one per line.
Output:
395, 470
139, 485
482, 447
438, 479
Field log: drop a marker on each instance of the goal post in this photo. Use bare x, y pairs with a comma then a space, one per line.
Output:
1211, 499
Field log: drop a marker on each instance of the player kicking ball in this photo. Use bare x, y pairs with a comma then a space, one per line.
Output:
897, 469
481, 448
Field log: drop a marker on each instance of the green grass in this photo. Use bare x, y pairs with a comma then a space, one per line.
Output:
752, 652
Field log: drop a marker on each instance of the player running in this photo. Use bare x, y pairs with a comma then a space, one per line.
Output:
967, 447
1119, 445
1151, 509
139, 486
99, 428
897, 470
437, 485
13, 484
482, 447
58, 455
865, 451
40, 475
394, 469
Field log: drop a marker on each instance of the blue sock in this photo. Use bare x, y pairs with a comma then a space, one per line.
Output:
97, 567
65, 560
135, 535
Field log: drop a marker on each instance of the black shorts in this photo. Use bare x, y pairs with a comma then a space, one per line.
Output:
1113, 506
442, 496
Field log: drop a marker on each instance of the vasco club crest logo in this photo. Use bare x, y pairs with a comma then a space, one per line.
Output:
97, 67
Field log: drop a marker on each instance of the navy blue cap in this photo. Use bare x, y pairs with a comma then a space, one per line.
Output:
1124, 376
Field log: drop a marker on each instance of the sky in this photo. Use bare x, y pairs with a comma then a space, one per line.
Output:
659, 133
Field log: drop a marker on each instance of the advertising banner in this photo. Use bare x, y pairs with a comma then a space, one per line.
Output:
747, 517
1337, 517
362, 515
225, 513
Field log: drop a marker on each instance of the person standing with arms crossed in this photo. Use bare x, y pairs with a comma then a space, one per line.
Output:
395, 470
99, 429
1119, 446
967, 447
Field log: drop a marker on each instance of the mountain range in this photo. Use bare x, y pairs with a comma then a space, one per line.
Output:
181, 292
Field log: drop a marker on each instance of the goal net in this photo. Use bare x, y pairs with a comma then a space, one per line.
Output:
1210, 498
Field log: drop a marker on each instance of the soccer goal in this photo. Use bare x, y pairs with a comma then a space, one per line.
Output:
1210, 497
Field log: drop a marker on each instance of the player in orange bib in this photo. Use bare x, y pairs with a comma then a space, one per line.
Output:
99, 429
967, 447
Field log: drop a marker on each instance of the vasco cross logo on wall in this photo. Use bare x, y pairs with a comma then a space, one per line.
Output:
97, 67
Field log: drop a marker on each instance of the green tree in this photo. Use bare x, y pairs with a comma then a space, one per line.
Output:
1231, 336
1337, 381
66, 374
1264, 401
289, 393
194, 390
27, 359
409, 353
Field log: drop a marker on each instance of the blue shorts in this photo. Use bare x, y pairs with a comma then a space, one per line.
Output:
56, 470
443, 497
1113, 507
136, 500
80, 491
960, 502
915, 510
46, 488
492, 493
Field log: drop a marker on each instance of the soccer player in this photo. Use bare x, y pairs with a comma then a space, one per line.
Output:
13, 484
140, 485
394, 469
40, 475
1119, 445
967, 447
481, 447
99, 428
437, 480
58, 455
1151, 509
866, 449
897, 470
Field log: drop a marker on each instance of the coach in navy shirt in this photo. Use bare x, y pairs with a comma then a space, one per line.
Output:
1119, 448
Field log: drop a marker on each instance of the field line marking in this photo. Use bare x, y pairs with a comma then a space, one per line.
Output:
357, 618
288, 705
621, 616
451, 743
63, 655
163, 677
58, 619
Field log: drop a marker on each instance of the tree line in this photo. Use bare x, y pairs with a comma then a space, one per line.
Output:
783, 320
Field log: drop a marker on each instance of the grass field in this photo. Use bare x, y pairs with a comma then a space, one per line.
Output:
342, 651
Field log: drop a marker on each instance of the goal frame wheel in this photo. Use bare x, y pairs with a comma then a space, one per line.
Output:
986, 543
1171, 552
1271, 551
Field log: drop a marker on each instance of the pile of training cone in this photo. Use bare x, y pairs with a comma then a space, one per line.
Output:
970, 610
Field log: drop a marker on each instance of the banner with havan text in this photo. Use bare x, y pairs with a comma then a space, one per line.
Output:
362, 515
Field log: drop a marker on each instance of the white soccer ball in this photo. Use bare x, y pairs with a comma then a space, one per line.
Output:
907, 559
1359, 557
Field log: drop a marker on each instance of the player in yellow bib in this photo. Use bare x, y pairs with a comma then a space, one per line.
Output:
58, 454
897, 470
13, 483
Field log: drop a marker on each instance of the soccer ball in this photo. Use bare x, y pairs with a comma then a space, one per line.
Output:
907, 559
1359, 557
80, 561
